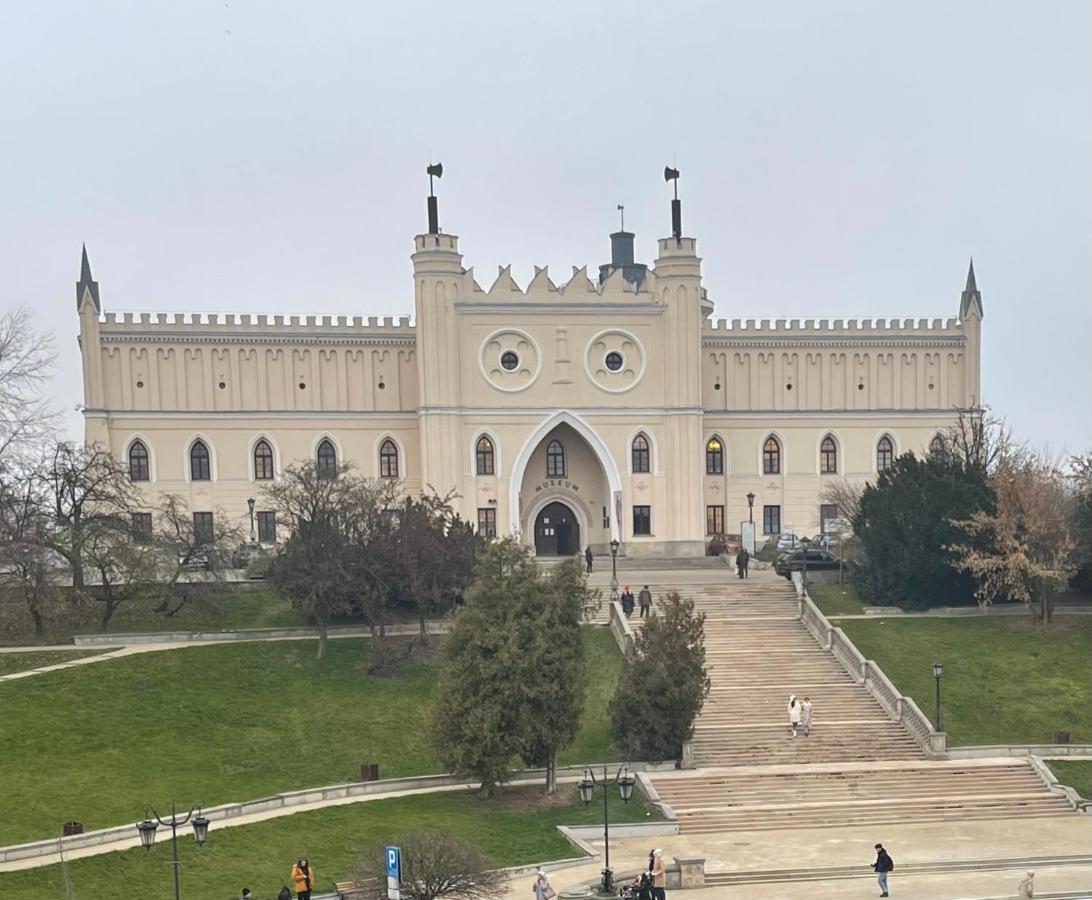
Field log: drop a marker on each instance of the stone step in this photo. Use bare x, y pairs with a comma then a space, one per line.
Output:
913, 867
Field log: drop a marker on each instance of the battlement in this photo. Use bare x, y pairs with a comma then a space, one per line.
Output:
236, 324
744, 328
578, 287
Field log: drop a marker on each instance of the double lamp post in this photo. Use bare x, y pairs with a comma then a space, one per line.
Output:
586, 786
148, 827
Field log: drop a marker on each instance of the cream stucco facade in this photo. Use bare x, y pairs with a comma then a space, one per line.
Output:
596, 366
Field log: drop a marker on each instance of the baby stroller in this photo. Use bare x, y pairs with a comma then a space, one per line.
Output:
638, 889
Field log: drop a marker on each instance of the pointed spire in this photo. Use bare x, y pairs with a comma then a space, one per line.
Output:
971, 285
970, 302
87, 283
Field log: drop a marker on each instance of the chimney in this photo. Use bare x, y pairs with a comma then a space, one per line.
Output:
621, 257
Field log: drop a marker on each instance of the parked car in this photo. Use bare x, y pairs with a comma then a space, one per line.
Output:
818, 561
787, 541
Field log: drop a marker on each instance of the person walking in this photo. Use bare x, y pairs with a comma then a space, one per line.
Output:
746, 562
627, 601
739, 563
588, 557
303, 879
644, 600
794, 714
541, 887
1026, 890
805, 716
881, 867
659, 876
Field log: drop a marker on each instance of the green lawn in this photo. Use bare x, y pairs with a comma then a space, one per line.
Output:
21, 662
1005, 680
217, 724
515, 828
836, 599
1077, 773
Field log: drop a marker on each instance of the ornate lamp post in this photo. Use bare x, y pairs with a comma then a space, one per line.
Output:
613, 571
147, 830
938, 670
250, 506
586, 786
750, 507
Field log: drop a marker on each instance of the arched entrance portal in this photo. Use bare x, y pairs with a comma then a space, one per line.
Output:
557, 531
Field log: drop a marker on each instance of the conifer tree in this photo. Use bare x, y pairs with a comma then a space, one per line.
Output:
663, 683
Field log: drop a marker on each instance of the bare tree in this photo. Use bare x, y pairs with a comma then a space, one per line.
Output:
26, 363
328, 566
27, 567
87, 489
435, 865
1023, 551
979, 439
845, 496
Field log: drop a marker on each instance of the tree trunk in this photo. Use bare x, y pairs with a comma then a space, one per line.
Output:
321, 640
76, 561
551, 773
36, 616
108, 611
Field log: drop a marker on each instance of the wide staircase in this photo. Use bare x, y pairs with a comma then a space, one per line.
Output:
758, 654
857, 765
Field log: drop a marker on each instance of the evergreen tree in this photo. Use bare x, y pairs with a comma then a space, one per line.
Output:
663, 683
551, 684
477, 719
905, 523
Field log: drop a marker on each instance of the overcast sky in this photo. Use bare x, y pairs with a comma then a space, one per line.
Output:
838, 159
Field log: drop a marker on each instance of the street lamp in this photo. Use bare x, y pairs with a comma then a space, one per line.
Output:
804, 575
250, 505
586, 787
613, 570
147, 830
750, 507
938, 670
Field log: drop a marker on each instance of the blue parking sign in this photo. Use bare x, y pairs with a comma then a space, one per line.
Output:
394, 863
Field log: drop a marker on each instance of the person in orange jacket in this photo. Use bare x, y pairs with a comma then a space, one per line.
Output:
303, 878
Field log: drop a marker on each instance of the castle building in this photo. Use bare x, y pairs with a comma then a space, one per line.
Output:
566, 414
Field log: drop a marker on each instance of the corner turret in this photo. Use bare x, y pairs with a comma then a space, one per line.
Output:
970, 303
87, 284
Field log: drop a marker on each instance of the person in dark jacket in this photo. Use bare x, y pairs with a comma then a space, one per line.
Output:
882, 866
588, 557
644, 601
746, 561
627, 601
739, 563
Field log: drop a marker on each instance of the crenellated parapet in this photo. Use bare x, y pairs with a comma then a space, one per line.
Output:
255, 329
578, 288
833, 332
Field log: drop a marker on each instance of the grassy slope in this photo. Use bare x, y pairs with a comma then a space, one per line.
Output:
21, 662
1005, 680
1077, 773
836, 599
225, 723
512, 829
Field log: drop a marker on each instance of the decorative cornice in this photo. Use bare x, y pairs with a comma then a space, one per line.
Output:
250, 414
532, 307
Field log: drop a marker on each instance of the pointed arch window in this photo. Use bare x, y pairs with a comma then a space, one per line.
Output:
937, 449
771, 457
885, 453
484, 456
139, 470
639, 454
828, 456
714, 457
200, 468
555, 460
263, 461
388, 459
326, 459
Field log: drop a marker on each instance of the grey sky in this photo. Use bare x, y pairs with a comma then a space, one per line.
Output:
838, 159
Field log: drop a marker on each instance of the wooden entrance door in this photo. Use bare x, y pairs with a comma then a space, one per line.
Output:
557, 532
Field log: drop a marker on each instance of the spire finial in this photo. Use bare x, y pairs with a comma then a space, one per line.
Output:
971, 300
971, 284
671, 174
435, 170
86, 282
622, 212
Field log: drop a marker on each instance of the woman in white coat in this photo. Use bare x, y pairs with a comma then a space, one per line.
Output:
794, 714
541, 887
805, 716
